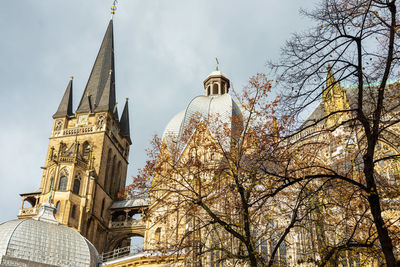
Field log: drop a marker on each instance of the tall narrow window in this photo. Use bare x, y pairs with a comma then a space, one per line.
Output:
107, 178
77, 185
215, 89
111, 177
73, 211
63, 183
102, 208
116, 180
58, 205
158, 235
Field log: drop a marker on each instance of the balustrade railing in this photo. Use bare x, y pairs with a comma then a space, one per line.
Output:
127, 223
27, 211
74, 131
72, 159
120, 252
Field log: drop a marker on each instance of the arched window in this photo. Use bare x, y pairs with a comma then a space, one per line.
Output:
73, 211
215, 89
58, 206
107, 178
77, 184
223, 88
111, 178
62, 186
208, 90
116, 180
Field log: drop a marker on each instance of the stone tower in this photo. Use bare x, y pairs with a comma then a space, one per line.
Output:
87, 158
334, 99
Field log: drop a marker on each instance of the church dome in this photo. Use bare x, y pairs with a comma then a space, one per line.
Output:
216, 110
42, 240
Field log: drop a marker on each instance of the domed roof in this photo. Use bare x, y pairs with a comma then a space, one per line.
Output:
217, 111
43, 240
216, 73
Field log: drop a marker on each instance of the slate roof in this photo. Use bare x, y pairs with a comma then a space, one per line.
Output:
100, 75
129, 203
65, 107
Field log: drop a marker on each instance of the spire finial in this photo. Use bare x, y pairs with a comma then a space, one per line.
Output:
71, 77
113, 8
127, 98
217, 64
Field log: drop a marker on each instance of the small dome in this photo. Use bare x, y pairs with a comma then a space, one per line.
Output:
216, 73
221, 109
42, 240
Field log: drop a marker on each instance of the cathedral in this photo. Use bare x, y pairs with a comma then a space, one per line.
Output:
80, 215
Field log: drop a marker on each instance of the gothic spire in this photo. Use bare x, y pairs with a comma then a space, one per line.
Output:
65, 107
100, 74
124, 122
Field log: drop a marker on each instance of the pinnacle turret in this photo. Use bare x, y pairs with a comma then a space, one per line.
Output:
100, 75
124, 122
115, 113
65, 107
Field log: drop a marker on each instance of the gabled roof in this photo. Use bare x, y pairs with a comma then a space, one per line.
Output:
100, 74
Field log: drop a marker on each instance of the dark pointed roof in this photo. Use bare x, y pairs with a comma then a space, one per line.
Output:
65, 107
115, 113
124, 123
100, 73
107, 100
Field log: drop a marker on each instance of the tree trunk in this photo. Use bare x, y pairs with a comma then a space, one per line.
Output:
376, 211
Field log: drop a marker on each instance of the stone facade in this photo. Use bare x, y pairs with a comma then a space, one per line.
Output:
86, 163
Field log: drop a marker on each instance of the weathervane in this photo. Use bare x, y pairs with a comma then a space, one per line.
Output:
216, 67
113, 8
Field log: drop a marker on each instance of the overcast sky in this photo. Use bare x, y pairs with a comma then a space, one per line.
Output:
164, 50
